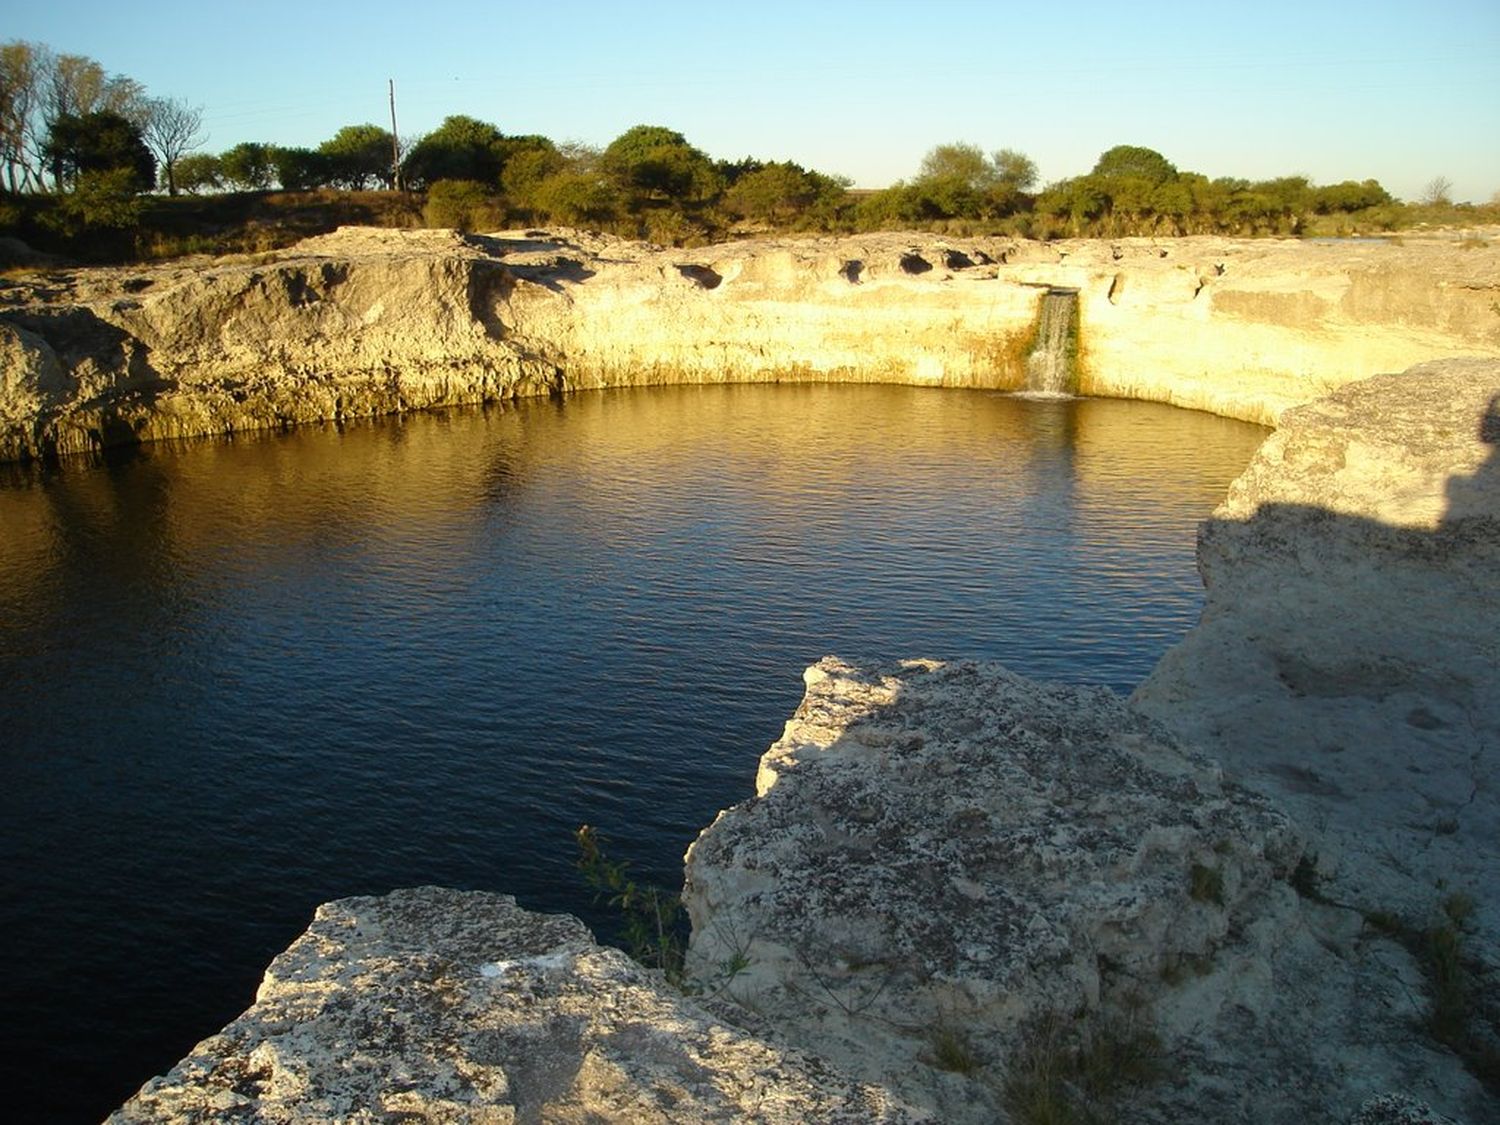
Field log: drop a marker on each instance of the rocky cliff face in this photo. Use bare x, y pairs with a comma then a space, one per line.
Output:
1347, 663
369, 321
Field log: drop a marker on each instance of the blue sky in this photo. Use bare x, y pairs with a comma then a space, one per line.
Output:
1401, 92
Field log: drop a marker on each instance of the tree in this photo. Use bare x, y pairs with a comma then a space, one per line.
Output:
1134, 162
197, 171
101, 141
358, 155
461, 148
1350, 196
21, 68
100, 200
526, 169
652, 161
960, 163
778, 192
1438, 192
299, 169
464, 205
578, 198
247, 166
171, 128
1015, 170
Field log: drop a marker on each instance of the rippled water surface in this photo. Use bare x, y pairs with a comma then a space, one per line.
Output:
241, 678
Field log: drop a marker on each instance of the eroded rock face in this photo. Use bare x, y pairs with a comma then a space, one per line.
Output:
368, 321
448, 1006
949, 849
1348, 660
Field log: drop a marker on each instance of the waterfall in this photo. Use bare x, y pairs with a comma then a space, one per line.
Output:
1049, 367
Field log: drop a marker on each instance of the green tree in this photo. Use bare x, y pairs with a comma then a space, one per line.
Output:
198, 171
1349, 196
1015, 170
358, 156
526, 169
654, 162
464, 205
247, 166
1134, 162
778, 192
461, 148
579, 198
101, 141
101, 200
300, 169
960, 162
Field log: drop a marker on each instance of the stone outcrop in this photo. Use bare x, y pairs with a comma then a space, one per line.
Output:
449, 1006
949, 851
946, 865
371, 321
1348, 661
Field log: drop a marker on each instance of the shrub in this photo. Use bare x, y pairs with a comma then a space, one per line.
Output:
464, 205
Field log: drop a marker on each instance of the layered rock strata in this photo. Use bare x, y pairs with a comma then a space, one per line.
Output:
448, 1006
373, 321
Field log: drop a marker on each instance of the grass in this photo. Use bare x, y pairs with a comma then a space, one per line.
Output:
1459, 1015
951, 1051
1206, 884
1075, 1072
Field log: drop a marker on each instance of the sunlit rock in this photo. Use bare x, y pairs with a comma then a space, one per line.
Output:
950, 850
368, 321
446, 1006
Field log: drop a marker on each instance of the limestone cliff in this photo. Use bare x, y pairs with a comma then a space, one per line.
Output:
368, 321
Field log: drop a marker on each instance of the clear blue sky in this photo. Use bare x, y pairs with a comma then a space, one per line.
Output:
1331, 89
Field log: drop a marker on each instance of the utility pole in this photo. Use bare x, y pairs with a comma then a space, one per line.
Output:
395, 143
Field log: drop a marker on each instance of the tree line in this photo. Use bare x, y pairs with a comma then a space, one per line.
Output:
95, 142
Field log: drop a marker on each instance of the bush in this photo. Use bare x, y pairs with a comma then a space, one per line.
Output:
464, 205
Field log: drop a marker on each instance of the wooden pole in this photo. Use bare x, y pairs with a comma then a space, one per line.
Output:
395, 143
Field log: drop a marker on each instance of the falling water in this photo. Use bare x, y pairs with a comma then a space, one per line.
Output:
1049, 367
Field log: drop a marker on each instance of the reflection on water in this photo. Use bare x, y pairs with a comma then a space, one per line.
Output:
245, 677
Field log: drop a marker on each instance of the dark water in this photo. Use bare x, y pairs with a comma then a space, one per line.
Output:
242, 678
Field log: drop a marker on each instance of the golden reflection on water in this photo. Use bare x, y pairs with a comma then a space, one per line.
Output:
416, 491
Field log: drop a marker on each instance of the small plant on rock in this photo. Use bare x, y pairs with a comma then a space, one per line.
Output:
651, 919
1207, 884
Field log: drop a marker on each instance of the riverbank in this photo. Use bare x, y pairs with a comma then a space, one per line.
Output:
368, 321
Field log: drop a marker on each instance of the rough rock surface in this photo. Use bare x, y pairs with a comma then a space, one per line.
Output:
1348, 659
942, 850
369, 321
448, 1006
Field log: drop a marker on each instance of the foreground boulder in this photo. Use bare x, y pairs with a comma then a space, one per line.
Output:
943, 859
438, 1005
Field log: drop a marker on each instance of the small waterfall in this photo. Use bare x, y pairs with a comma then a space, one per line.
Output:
1049, 367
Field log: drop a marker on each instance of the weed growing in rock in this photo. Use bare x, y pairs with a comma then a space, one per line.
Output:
951, 1052
1459, 1015
651, 919
1075, 1072
1207, 884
